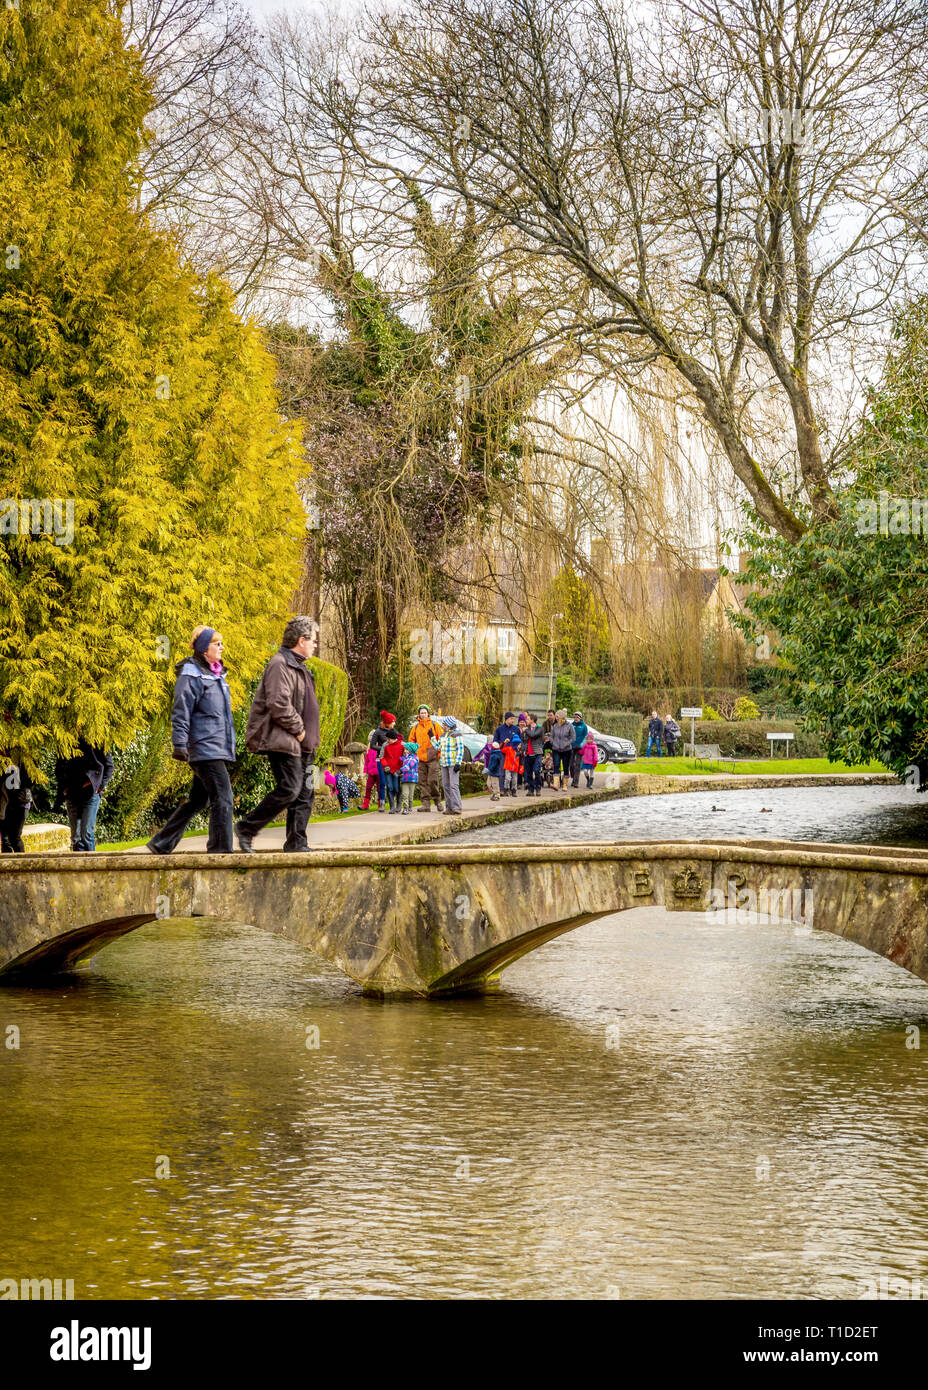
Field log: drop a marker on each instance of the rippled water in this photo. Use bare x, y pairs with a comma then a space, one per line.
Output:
653, 1106
876, 815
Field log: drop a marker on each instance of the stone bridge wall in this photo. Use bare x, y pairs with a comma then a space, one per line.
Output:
436, 919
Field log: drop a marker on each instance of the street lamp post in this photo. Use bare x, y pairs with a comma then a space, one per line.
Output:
313, 527
554, 617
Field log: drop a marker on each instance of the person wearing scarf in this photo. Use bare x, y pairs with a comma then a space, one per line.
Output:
203, 735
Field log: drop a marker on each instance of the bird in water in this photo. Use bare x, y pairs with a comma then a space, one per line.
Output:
765, 810
718, 808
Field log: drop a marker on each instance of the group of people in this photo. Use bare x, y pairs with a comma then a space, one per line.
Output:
80, 781
522, 753
283, 724
664, 729
430, 759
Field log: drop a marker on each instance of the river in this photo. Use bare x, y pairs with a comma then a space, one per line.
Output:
653, 1106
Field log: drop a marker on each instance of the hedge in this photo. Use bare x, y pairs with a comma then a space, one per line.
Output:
622, 723
747, 738
643, 698
332, 693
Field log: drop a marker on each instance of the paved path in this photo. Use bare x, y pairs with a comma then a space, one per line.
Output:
376, 827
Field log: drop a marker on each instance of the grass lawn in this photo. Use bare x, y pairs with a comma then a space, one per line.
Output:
665, 767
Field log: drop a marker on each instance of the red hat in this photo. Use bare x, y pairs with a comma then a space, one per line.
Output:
387, 717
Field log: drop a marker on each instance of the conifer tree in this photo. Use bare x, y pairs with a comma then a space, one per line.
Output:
147, 481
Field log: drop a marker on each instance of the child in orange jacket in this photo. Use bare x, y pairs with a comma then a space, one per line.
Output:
510, 769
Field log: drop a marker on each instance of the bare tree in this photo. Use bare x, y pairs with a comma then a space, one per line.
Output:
721, 180
198, 57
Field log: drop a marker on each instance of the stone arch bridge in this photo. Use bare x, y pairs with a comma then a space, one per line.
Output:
435, 920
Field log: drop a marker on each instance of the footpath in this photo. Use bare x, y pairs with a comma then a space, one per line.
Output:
378, 828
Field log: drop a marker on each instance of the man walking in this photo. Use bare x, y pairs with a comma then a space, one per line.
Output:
284, 724
425, 733
81, 781
451, 757
655, 732
508, 732
533, 740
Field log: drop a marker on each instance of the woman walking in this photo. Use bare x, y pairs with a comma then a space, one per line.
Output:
391, 760
562, 744
203, 735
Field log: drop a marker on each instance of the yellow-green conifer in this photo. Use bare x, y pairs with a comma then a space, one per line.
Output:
152, 476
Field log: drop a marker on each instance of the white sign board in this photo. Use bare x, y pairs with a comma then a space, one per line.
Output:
691, 713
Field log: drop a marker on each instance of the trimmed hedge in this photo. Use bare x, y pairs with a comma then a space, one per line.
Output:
643, 698
747, 738
622, 723
332, 694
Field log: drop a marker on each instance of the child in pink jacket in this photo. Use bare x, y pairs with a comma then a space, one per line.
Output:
370, 770
342, 785
590, 758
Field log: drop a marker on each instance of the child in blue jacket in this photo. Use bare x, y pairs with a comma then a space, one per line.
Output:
495, 770
409, 774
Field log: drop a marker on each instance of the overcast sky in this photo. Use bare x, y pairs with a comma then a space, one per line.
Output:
260, 8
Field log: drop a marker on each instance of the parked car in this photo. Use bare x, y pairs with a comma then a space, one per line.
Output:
473, 742
613, 749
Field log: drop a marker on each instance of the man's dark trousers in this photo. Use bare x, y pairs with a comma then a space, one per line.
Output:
293, 792
211, 786
576, 763
533, 772
11, 827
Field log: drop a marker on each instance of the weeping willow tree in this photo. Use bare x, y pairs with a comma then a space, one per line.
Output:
607, 542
